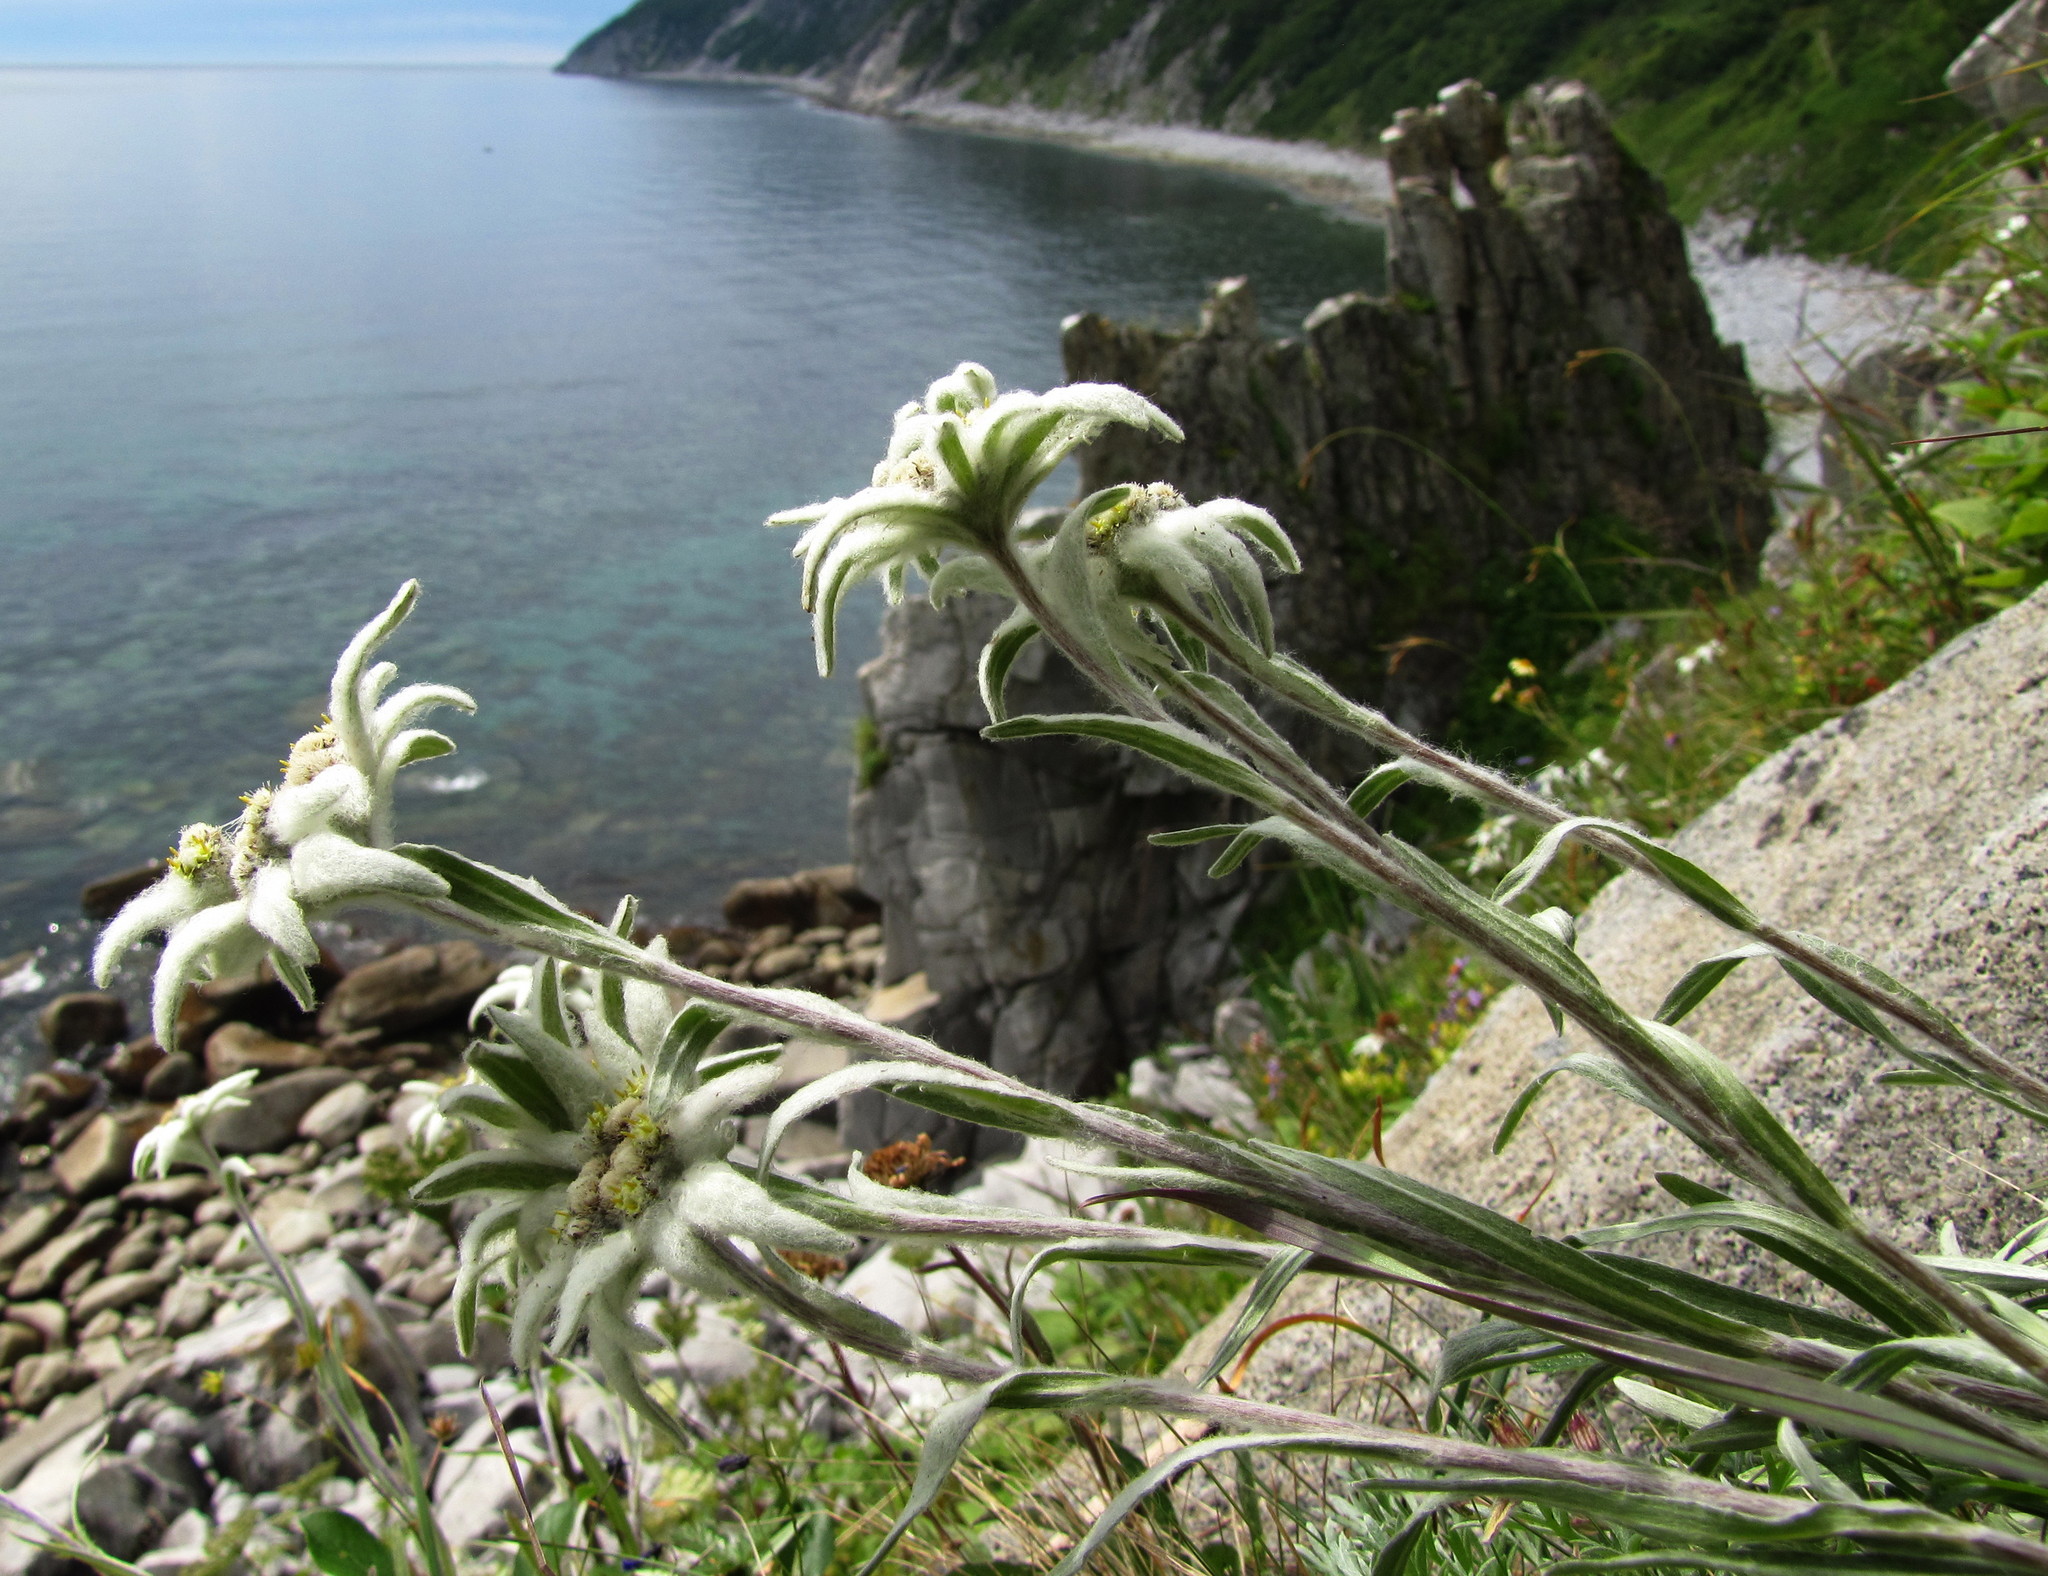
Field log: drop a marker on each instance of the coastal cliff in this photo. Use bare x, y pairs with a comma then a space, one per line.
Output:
1541, 399
1810, 119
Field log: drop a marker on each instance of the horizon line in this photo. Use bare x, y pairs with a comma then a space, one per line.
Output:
535, 64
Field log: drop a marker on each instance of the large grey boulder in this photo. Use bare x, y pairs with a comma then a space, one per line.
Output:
1999, 75
1913, 830
1016, 877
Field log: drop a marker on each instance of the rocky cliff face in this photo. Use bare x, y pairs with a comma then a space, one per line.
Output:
1419, 448
1543, 374
1016, 882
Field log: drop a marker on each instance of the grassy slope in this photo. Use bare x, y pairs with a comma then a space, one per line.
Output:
1814, 116
1806, 114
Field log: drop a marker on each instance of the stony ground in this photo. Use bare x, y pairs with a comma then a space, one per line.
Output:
145, 1361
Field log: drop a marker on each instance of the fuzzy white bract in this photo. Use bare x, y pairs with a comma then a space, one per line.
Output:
608, 1137
179, 1138
318, 839
962, 464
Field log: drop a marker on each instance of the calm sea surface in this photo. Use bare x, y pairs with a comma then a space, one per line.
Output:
272, 341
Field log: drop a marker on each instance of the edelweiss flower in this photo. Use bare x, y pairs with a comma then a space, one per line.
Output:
962, 464
176, 1140
611, 1140
318, 839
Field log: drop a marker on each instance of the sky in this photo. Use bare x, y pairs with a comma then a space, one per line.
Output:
185, 32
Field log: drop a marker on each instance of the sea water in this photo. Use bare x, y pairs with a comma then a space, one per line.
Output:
272, 341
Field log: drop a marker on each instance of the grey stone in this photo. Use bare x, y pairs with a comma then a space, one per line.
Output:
31, 1229
257, 1346
75, 1022
1016, 880
176, 1076
47, 1319
1908, 830
17, 1340
410, 989
337, 1116
242, 1047
270, 1120
1206, 1089
1998, 76
265, 1444
183, 1192
186, 1306
474, 1491
41, 1379
100, 1159
116, 1292
124, 1507
45, 1269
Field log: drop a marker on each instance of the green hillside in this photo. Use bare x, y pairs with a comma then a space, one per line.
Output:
1814, 117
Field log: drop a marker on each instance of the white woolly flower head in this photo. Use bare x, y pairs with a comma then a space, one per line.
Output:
608, 1131
321, 837
177, 1139
962, 463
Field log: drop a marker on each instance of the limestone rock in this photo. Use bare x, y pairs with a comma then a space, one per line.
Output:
271, 1118
1998, 76
1909, 830
1053, 941
184, 1192
99, 1160
338, 1115
73, 1023
238, 1047
1369, 435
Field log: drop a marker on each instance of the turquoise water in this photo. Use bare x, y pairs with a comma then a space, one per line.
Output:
272, 341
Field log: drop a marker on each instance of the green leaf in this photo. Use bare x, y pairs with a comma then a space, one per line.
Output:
1410, 1542
1598, 1066
1193, 835
340, 1545
1680, 872
1259, 1301
1035, 1116
1662, 1403
1971, 517
1179, 747
944, 1438
690, 1034
1801, 1321
424, 744
474, 1103
821, 1092
492, 1170
1829, 1255
1004, 647
2028, 522
816, 1543
291, 974
1377, 785
1481, 1348
515, 1077
599, 1481
1240, 849
1702, 979
497, 895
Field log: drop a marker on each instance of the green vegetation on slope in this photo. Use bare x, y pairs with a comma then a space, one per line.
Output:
1813, 116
